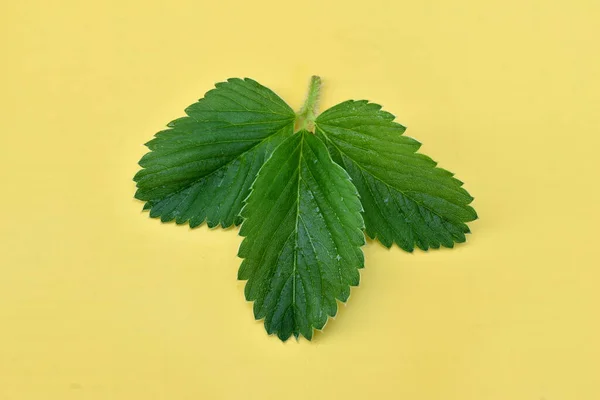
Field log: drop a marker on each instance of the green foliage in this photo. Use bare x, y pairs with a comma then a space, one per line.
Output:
407, 200
303, 198
203, 166
303, 232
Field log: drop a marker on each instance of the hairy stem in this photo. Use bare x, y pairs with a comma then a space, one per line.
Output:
305, 118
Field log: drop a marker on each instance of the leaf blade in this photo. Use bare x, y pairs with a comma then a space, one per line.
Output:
407, 199
303, 232
202, 167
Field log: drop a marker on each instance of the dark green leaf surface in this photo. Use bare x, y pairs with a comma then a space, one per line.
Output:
303, 232
202, 168
406, 199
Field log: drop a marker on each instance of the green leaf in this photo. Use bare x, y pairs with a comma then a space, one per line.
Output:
303, 199
407, 200
202, 168
303, 232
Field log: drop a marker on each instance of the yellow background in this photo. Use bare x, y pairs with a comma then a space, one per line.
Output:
98, 301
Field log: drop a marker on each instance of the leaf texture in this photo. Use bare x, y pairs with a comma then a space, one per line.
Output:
203, 166
303, 233
407, 200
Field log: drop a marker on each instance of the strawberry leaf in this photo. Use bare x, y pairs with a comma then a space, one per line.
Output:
303, 198
203, 166
303, 232
407, 200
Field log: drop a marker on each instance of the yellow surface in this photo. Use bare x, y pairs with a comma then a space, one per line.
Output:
98, 301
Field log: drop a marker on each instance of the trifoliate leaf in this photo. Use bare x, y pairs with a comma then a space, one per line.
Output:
235, 158
406, 199
303, 232
203, 166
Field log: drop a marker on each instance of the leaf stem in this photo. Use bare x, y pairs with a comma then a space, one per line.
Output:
305, 118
